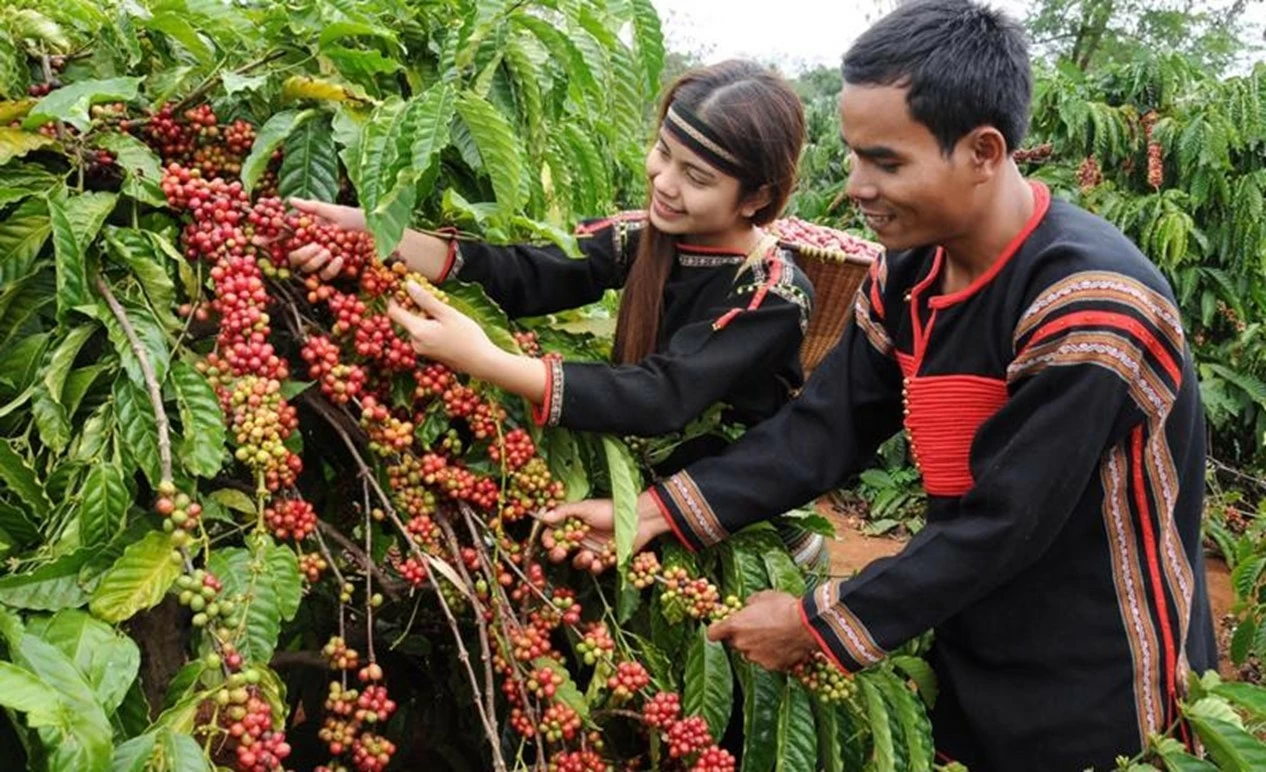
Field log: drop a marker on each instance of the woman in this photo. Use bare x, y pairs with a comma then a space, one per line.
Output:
712, 311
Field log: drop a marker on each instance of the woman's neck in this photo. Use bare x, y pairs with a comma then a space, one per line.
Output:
741, 239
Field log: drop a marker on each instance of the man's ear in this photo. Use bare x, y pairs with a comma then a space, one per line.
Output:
756, 201
988, 150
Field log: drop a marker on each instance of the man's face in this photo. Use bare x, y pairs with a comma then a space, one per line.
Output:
910, 192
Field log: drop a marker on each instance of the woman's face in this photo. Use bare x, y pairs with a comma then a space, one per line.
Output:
691, 199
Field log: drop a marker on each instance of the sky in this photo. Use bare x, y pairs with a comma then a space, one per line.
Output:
795, 34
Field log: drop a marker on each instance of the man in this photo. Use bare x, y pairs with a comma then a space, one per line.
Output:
1036, 361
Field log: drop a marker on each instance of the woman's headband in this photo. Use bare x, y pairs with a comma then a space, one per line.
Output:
699, 137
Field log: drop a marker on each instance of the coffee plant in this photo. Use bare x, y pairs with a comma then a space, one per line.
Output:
243, 526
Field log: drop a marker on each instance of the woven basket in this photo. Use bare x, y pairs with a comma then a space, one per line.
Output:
836, 262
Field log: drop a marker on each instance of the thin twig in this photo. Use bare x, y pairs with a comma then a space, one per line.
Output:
151, 378
454, 547
389, 586
462, 654
369, 578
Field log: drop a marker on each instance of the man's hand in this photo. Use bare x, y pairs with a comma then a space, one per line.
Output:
768, 631
314, 257
599, 515
445, 334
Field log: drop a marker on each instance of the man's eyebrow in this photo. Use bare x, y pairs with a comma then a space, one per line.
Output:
876, 152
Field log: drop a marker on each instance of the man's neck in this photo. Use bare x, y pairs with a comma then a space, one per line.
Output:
1005, 215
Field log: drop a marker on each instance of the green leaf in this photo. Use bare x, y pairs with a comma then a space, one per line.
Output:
15, 143
784, 575
241, 572
1250, 697
134, 755
797, 737
235, 500
20, 478
709, 683
283, 569
72, 269
235, 84
106, 658
498, 147
143, 253
565, 462
1228, 745
1246, 575
1173, 754
180, 30
183, 753
70, 103
51, 587
82, 741
22, 236
762, 698
649, 39
472, 301
344, 29
626, 485
921, 673
566, 692
201, 420
14, 75
23, 691
910, 716
104, 504
28, 23
94, 439
133, 155
267, 140
138, 580
140, 429
309, 168
883, 757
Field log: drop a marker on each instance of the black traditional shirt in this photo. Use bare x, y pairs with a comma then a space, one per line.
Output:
1053, 410
730, 332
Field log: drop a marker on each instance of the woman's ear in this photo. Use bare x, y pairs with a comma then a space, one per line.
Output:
756, 201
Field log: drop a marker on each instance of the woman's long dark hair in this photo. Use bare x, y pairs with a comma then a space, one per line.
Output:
760, 120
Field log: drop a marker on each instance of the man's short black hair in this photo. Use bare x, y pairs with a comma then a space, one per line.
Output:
966, 65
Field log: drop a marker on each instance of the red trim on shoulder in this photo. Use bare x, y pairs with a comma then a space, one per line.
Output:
804, 619
758, 297
586, 229
668, 518
1111, 319
1041, 204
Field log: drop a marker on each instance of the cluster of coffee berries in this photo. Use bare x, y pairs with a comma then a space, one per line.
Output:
568, 537
644, 569
261, 421
662, 710
179, 512
696, 598
339, 655
1089, 174
388, 435
1035, 155
245, 720
628, 680
822, 678
199, 591
291, 518
312, 565
340, 382
596, 643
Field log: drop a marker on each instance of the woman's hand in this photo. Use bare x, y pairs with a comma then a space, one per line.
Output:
446, 335
313, 257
